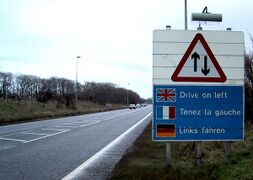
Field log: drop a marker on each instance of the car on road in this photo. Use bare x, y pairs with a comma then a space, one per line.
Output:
132, 106
138, 105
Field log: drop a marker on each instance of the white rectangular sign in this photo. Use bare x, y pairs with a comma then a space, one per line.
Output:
219, 57
198, 85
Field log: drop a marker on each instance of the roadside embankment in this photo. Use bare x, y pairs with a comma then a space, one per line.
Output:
146, 160
12, 111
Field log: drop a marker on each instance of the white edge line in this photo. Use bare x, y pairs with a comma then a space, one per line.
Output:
46, 136
96, 156
11, 139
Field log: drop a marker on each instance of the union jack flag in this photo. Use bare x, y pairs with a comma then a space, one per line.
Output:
165, 94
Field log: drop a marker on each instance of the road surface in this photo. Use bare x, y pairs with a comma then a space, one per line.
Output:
52, 149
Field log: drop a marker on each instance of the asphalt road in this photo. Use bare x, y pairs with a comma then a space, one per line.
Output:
51, 149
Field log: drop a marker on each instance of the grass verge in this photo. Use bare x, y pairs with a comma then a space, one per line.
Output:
146, 160
12, 111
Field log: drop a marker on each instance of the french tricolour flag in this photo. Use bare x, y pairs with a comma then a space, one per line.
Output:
166, 112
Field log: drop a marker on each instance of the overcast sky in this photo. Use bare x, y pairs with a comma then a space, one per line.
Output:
113, 37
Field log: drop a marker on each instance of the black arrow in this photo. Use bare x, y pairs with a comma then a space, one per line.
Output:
205, 71
195, 56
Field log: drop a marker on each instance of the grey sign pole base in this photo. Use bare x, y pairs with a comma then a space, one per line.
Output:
227, 146
168, 154
199, 154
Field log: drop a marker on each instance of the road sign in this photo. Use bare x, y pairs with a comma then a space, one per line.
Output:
198, 85
169, 47
205, 69
211, 113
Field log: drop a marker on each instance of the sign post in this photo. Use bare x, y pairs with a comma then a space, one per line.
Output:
198, 86
168, 154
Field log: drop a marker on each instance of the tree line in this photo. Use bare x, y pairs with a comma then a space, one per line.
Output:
30, 87
23, 87
248, 80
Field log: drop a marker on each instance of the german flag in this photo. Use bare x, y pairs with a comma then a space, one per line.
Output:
166, 130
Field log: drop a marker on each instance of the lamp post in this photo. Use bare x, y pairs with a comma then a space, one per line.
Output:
127, 95
77, 57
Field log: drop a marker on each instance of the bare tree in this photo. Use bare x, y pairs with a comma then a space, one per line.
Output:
6, 83
62, 90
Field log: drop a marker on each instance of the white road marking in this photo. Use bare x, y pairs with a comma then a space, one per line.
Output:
61, 131
92, 123
65, 126
72, 123
75, 173
41, 134
81, 122
46, 136
12, 139
113, 117
53, 129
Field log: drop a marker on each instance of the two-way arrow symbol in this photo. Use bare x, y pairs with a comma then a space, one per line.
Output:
195, 56
205, 71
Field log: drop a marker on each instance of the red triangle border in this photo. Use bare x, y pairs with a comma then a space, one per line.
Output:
199, 37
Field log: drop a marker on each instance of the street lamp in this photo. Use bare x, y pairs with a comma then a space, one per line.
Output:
127, 94
77, 57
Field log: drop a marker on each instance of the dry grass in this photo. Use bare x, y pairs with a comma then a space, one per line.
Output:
12, 111
146, 160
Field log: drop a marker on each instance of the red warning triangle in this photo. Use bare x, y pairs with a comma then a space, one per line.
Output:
198, 64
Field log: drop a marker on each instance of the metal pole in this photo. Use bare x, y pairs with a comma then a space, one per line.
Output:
127, 97
198, 146
227, 147
168, 155
76, 79
199, 154
168, 144
127, 94
185, 15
